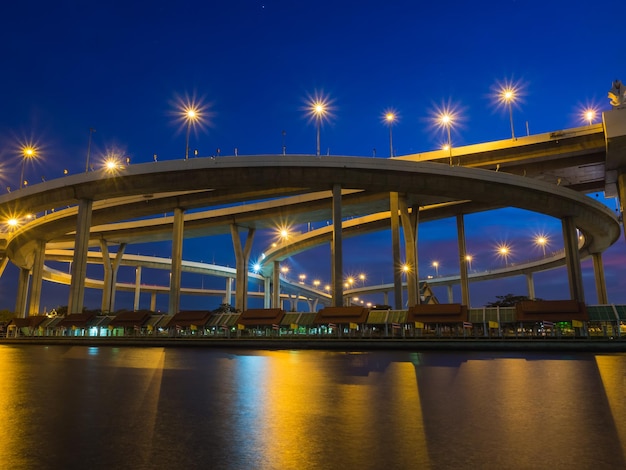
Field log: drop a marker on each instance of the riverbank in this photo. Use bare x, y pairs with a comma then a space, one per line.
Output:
345, 344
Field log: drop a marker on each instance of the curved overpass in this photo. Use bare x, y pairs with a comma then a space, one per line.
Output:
254, 191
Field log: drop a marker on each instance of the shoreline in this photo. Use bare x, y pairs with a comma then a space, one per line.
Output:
356, 344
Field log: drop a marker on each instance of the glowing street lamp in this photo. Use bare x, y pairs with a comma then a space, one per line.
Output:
468, 258
589, 115
191, 116
436, 266
28, 152
507, 95
362, 279
302, 278
390, 119
542, 241
316, 283
504, 251
318, 109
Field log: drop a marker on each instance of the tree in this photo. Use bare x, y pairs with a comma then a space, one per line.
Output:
508, 300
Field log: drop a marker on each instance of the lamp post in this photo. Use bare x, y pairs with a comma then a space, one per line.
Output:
319, 111
507, 96
191, 115
390, 118
446, 121
504, 251
589, 115
27, 152
91, 131
542, 241
436, 266
468, 258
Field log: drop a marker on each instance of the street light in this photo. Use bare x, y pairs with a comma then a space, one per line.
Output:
302, 278
319, 111
27, 153
191, 116
589, 114
507, 94
316, 283
436, 266
362, 279
446, 121
91, 131
504, 251
468, 258
390, 119
318, 107
542, 241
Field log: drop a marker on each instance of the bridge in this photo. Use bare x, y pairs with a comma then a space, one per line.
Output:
173, 200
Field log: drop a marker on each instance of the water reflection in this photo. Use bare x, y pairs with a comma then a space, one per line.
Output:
77, 407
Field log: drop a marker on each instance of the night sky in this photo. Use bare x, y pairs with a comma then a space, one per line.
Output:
124, 68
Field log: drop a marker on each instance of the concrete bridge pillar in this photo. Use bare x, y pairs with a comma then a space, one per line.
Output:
572, 259
3, 264
267, 286
395, 250
110, 275
336, 249
37, 277
598, 272
409, 228
22, 292
79, 261
137, 287
153, 295
276, 285
463, 261
177, 260
242, 257
530, 283
228, 297
450, 294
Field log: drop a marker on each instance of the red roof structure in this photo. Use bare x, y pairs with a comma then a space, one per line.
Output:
551, 310
79, 320
437, 313
341, 315
261, 316
131, 319
187, 318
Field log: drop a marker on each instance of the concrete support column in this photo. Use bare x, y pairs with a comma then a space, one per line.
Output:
105, 305
463, 262
395, 250
621, 188
450, 294
572, 259
153, 301
177, 260
242, 257
386, 299
110, 275
598, 272
3, 264
137, 287
267, 286
409, 228
79, 261
336, 249
22, 292
276, 285
293, 302
228, 297
530, 283
37, 278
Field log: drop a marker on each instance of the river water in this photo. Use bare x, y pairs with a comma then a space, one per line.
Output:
164, 408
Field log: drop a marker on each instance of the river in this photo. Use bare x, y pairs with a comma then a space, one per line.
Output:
162, 408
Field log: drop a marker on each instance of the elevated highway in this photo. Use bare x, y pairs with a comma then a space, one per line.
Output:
207, 196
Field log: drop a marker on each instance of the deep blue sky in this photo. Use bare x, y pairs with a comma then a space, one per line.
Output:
121, 68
